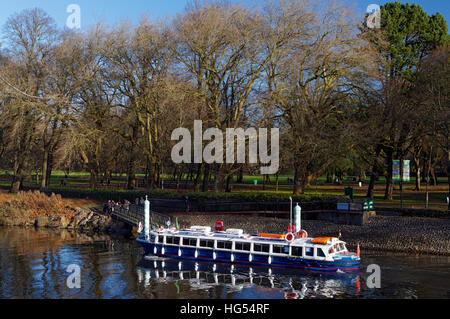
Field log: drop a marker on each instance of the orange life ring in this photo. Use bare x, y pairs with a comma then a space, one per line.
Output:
289, 237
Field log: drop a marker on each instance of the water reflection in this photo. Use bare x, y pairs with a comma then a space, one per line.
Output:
33, 264
243, 280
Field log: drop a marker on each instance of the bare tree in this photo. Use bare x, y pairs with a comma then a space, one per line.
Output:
31, 37
311, 85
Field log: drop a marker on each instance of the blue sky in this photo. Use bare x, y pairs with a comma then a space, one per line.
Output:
111, 11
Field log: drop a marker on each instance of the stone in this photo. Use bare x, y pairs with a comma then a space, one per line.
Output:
64, 222
42, 222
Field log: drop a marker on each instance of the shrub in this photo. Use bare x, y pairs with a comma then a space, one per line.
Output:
40, 204
121, 195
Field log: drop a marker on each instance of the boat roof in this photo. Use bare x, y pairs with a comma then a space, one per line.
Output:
255, 238
322, 240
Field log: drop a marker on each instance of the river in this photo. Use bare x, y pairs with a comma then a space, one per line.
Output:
35, 264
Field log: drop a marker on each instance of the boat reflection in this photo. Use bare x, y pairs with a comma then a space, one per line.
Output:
273, 282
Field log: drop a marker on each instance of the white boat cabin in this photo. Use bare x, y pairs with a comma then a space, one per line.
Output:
235, 241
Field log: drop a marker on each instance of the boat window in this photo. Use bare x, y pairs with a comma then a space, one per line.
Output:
261, 248
277, 249
242, 246
342, 247
169, 240
320, 252
190, 242
297, 251
221, 244
207, 243
152, 238
309, 251
160, 239
224, 244
176, 240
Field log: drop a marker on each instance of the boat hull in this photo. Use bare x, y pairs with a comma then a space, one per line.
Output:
217, 256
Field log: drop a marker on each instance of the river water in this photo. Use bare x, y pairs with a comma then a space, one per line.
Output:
34, 264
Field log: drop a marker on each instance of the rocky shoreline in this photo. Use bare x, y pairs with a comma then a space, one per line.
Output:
413, 235
82, 219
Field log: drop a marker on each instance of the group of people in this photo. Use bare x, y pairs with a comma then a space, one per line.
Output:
111, 205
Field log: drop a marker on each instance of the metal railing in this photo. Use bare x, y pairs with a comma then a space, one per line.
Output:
135, 214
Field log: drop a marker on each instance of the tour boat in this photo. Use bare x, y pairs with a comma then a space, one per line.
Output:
291, 250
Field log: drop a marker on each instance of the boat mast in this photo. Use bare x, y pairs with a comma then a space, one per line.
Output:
290, 215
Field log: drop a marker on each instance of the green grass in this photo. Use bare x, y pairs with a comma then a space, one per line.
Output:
78, 187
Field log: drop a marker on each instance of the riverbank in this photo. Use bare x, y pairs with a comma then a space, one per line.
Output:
35, 209
390, 232
413, 235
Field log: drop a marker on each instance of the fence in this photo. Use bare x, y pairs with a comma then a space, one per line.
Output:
135, 214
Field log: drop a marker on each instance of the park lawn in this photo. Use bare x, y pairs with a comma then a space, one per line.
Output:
411, 198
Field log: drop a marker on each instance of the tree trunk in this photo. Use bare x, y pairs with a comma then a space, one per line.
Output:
300, 180
329, 178
48, 173
153, 176
15, 185
448, 173
179, 178
220, 178
198, 178
240, 179
131, 173
418, 173
206, 172
44, 170
94, 178
433, 176
131, 169
18, 174
389, 178
175, 173
370, 191
228, 187
373, 175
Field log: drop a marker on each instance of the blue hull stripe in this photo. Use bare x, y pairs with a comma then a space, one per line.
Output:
240, 258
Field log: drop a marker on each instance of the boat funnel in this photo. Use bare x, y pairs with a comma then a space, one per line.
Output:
147, 217
298, 217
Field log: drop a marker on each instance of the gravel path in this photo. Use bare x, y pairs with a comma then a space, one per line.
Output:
381, 233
